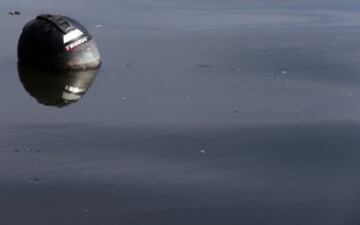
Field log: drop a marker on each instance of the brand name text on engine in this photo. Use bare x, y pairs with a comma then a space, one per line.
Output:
76, 43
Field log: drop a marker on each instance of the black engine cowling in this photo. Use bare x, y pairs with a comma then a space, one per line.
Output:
57, 42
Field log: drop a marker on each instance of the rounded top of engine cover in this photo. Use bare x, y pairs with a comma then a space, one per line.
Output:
60, 42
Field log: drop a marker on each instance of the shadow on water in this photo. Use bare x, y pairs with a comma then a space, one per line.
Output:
56, 88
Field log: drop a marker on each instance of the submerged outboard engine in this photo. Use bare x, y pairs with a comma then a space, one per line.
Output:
57, 42
57, 60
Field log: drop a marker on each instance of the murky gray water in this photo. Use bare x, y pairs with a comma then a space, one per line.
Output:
204, 112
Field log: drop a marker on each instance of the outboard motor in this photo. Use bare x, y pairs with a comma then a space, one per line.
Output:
57, 42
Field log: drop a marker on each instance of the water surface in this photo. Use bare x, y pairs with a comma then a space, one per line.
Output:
204, 112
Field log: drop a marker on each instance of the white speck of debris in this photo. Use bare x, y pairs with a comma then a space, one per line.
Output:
203, 151
98, 25
287, 85
271, 53
123, 98
349, 94
87, 210
38, 179
12, 13
284, 72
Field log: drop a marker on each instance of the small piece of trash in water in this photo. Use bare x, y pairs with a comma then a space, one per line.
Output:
349, 94
204, 66
13, 13
98, 25
287, 85
123, 98
202, 151
87, 210
38, 179
34, 150
29, 149
284, 72
235, 111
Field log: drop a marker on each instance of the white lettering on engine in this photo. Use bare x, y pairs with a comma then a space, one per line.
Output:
76, 43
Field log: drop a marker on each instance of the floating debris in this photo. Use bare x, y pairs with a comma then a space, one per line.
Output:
284, 72
34, 150
87, 211
38, 179
287, 85
235, 111
123, 98
98, 25
204, 66
349, 94
27, 149
203, 151
14, 13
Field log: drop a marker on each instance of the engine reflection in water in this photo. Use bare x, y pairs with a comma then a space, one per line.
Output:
54, 87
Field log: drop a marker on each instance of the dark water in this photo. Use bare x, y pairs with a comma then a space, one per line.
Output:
204, 112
